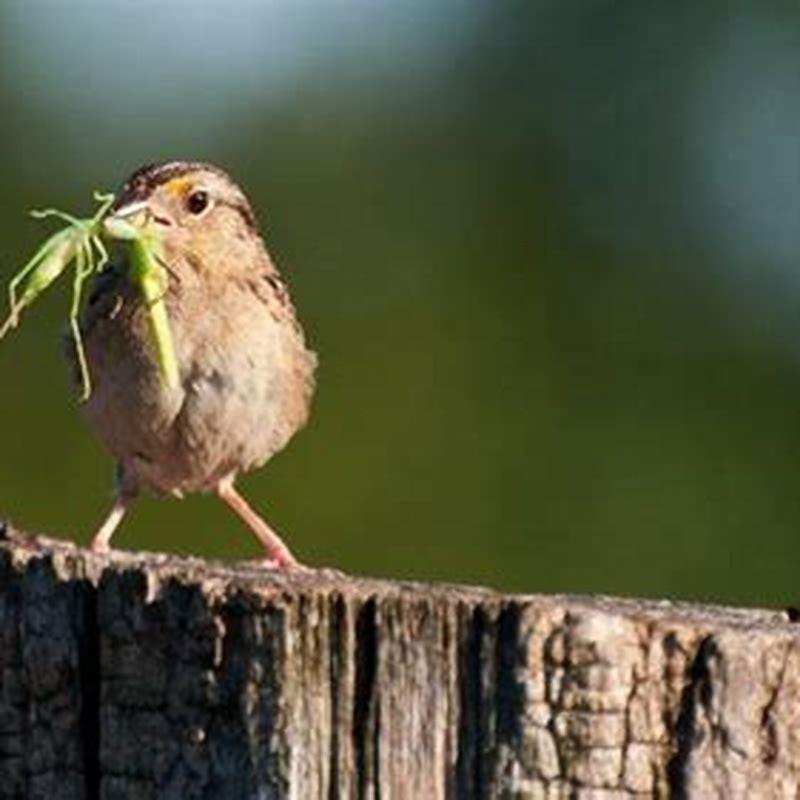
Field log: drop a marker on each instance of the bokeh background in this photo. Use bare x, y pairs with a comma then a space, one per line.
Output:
549, 253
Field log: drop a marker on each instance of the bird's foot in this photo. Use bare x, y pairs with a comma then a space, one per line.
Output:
99, 546
284, 562
101, 539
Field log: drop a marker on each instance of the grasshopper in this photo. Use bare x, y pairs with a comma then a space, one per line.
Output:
82, 242
149, 272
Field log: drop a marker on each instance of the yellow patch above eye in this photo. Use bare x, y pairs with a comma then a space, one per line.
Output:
179, 186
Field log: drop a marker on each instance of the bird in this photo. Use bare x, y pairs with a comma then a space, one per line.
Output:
246, 374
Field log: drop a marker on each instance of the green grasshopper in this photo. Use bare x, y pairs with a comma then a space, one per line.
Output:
82, 242
148, 271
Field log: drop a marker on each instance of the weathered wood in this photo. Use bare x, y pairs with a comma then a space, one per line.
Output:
147, 676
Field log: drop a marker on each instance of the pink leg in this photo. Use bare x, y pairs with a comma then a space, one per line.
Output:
100, 542
278, 554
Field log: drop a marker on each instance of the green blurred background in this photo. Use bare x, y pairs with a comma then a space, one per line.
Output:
548, 254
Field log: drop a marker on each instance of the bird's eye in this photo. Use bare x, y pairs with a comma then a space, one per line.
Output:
197, 202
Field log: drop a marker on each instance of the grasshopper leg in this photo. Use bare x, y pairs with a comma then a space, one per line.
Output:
106, 201
14, 306
82, 270
101, 250
44, 213
7, 325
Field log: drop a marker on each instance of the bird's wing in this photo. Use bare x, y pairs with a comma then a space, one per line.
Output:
267, 283
107, 290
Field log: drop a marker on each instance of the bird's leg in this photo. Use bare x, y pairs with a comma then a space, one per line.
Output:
278, 554
101, 539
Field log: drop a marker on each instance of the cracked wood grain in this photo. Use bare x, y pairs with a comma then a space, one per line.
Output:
146, 676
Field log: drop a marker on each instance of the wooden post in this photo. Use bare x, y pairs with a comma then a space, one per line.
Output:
148, 676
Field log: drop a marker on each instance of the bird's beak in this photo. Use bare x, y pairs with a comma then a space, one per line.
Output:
130, 210
126, 222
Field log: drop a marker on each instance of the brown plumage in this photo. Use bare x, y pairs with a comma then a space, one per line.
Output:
246, 375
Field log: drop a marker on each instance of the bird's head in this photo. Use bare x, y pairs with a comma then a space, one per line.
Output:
195, 208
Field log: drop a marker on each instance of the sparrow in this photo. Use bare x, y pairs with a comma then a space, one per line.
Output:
246, 375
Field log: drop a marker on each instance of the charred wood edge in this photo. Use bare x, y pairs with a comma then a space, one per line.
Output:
471, 777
